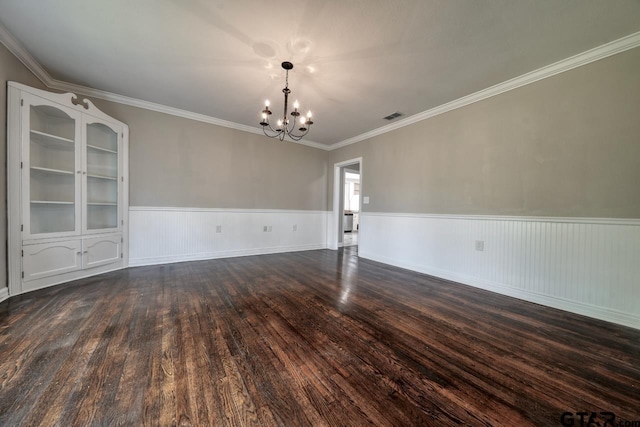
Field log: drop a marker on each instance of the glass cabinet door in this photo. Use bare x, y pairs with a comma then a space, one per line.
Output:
101, 189
50, 168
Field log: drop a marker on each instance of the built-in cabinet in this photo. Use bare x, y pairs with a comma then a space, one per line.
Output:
67, 189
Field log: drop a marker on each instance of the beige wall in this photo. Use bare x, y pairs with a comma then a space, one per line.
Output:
568, 145
184, 163
10, 70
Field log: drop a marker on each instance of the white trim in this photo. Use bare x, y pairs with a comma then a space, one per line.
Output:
177, 234
14, 190
67, 278
4, 294
582, 265
226, 210
23, 55
334, 225
138, 262
617, 46
572, 220
588, 310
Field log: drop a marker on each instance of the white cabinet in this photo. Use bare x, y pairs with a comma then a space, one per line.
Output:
67, 189
48, 259
101, 251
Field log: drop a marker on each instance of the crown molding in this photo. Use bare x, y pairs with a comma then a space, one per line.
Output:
23, 55
608, 49
617, 46
139, 103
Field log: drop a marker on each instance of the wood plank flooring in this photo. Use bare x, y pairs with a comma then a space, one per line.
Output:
318, 338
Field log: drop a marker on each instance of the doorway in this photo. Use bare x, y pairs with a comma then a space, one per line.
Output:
351, 205
345, 229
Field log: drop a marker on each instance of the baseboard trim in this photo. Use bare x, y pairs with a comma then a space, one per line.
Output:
170, 259
4, 294
588, 310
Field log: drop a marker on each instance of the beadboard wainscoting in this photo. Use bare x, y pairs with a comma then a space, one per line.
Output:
585, 266
163, 235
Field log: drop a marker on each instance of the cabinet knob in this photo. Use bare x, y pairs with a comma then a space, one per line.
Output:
86, 252
78, 172
79, 253
84, 173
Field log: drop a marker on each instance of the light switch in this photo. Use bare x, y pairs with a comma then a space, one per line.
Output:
365, 200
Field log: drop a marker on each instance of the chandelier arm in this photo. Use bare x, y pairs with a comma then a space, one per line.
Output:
264, 129
298, 137
274, 131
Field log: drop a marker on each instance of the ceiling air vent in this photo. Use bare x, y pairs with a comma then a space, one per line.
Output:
393, 116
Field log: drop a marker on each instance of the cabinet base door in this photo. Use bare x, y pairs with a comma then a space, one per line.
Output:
101, 251
48, 259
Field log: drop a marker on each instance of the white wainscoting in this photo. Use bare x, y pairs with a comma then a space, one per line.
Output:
161, 235
585, 266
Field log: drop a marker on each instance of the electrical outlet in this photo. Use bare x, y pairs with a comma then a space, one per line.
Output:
365, 200
218, 229
295, 227
265, 229
479, 245
269, 229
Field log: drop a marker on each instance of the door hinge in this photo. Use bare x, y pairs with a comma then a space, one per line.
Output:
20, 165
21, 227
123, 179
22, 252
122, 240
121, 255
122, 222
22, 102
23, 274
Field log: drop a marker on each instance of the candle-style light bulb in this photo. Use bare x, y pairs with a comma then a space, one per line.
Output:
302, 120
264, 115
309, 114
296, 104
267, 103
279, 123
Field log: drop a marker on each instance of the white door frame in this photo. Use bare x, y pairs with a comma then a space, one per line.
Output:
334, 224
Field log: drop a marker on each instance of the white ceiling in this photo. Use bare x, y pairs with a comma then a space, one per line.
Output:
355, 61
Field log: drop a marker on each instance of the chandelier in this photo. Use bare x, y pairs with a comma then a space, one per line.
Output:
285, 126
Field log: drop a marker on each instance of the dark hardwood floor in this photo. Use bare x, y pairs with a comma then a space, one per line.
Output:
309, 338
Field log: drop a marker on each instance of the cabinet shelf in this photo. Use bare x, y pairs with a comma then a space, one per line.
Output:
50, 171
52, 140
51, 202
95, 147
113, 178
